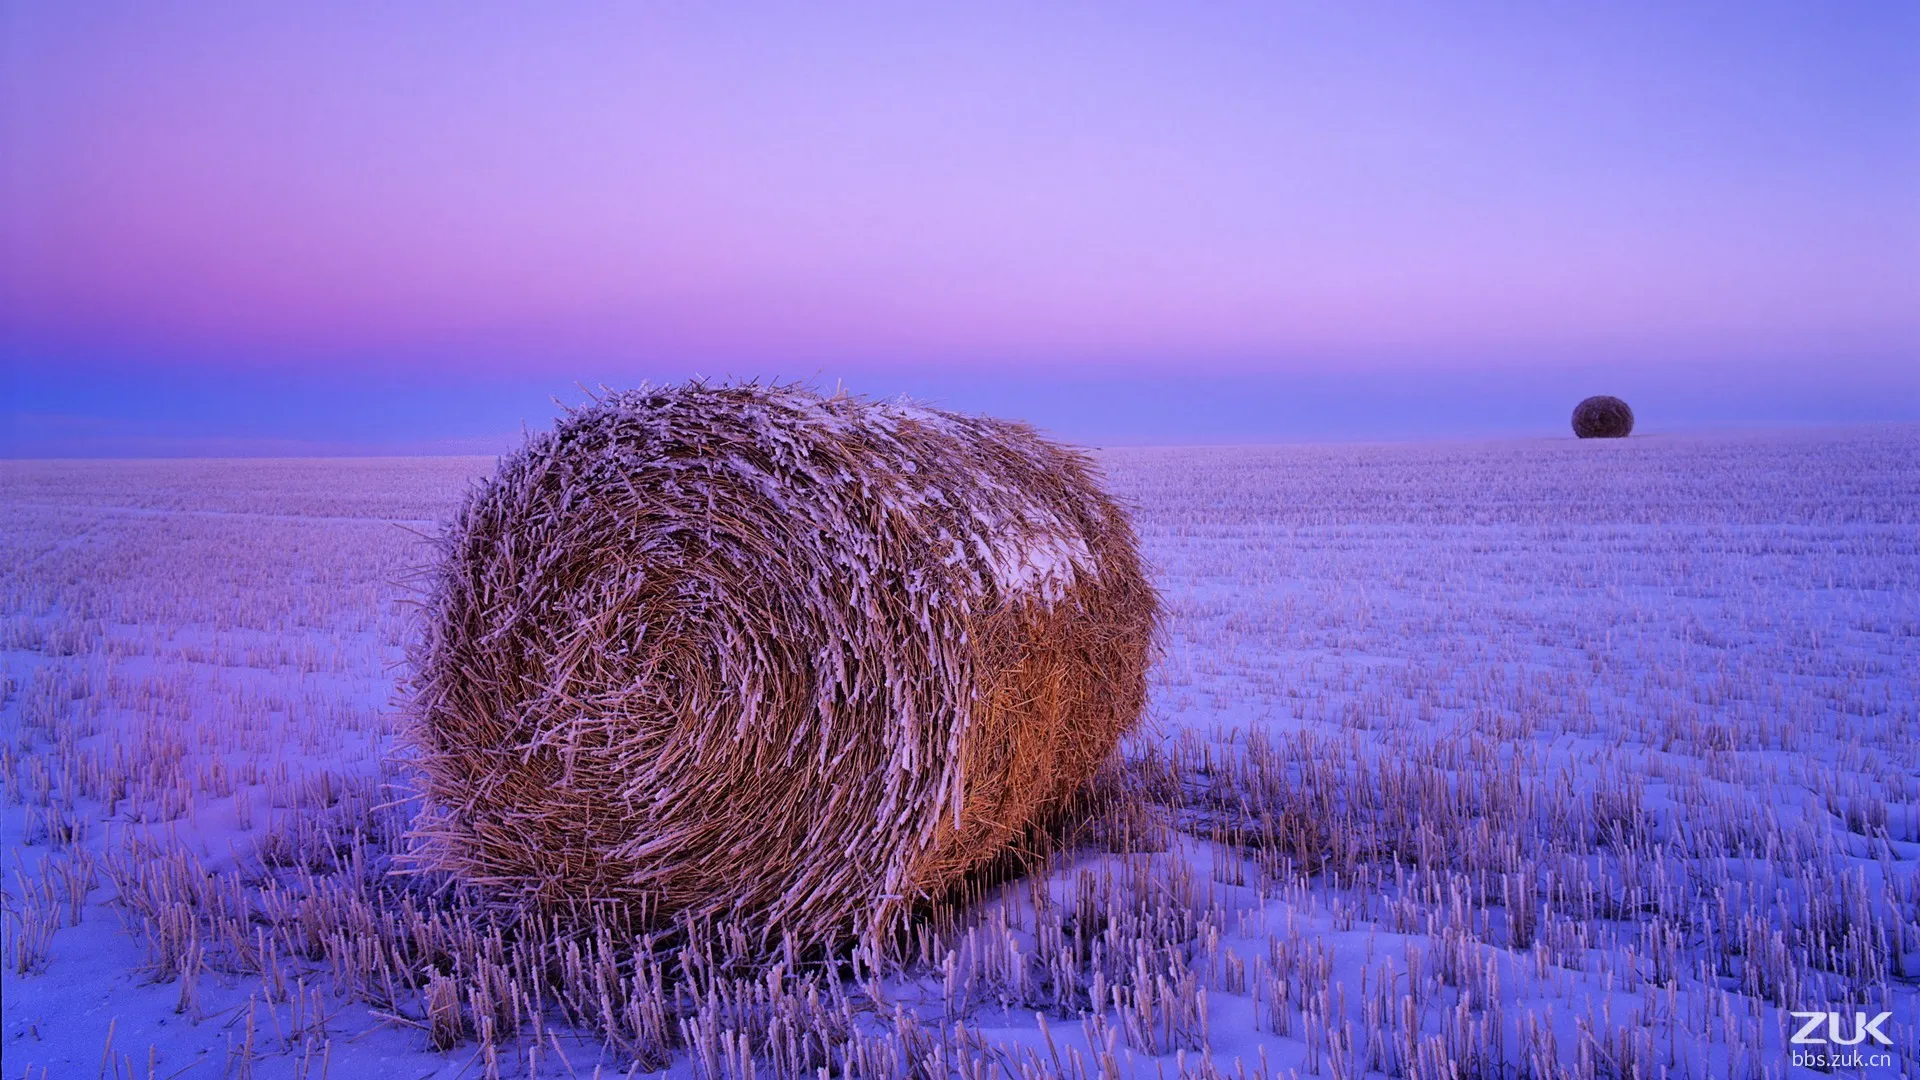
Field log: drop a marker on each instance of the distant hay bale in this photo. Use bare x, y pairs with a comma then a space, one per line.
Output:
1602, 417
755, 654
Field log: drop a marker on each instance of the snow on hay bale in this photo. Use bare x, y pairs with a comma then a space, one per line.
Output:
1602, 417
755, 654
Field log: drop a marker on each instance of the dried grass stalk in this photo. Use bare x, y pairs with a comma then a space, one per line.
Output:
1602, 416
754, 654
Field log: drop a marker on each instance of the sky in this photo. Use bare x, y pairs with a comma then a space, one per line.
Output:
246, 228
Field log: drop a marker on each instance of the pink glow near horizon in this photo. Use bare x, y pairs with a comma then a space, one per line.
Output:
1084, 185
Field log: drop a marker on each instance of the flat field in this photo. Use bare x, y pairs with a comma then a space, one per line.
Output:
1517, 758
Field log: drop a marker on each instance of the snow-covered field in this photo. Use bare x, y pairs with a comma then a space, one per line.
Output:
1521, 758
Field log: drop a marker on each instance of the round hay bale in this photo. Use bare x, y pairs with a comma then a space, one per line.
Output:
754, 654
1602, 416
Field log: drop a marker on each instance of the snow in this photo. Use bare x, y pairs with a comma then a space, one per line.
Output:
1671, 684
1043, 564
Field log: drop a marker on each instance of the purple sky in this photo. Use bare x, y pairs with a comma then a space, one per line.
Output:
234, 226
